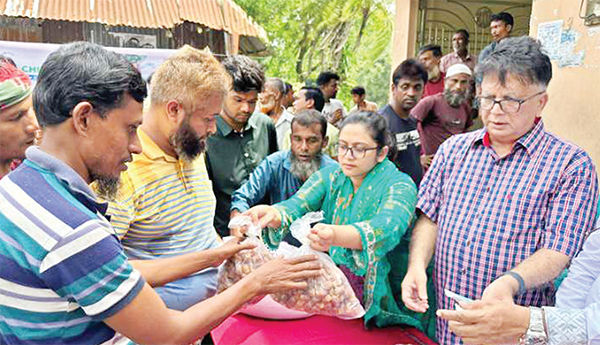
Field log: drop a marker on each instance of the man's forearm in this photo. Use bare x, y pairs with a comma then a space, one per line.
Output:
541, 267
204, 316
422, 243
159, 272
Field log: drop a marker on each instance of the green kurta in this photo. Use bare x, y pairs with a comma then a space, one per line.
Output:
383, 212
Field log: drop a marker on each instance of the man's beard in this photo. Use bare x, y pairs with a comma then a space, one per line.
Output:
186, 142
107, 187
455, 99
303, 170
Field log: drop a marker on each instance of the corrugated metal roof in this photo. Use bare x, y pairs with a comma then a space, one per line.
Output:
207, 12
236, 20
215, 14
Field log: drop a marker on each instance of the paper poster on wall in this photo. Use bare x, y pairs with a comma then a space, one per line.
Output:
568, 56
549, 34
560, 44
30, 56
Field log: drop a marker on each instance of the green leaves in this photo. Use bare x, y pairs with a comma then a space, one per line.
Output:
351, 37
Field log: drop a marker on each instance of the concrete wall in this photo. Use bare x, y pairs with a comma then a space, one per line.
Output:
573, 111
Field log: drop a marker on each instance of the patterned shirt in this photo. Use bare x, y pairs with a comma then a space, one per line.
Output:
453, 58
408, 143
165, 207
62, 269
492, 213
575, 318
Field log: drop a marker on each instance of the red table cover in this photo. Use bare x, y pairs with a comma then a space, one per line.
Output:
241, 329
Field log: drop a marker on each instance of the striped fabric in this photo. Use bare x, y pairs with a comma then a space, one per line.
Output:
165, 205
62, 270
493, 213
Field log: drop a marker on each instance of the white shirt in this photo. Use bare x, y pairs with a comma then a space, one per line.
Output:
331, 106
283, 125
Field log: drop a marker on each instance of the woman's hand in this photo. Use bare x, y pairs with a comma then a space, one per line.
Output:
264, 216
321, 237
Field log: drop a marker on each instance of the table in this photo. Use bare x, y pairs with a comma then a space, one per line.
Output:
241, 329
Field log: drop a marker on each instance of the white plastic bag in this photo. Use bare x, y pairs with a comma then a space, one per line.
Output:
328, 294
244, 262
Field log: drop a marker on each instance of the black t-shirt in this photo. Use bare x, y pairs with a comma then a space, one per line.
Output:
408, 143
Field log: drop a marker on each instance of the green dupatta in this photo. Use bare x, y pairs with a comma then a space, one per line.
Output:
383, 211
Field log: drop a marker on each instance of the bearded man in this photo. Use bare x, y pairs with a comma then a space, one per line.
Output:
443, 115
281, 174
165, 206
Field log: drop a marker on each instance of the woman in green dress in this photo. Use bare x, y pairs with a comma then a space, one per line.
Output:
369, 208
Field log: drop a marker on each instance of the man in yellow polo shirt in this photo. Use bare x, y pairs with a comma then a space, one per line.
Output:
165, 206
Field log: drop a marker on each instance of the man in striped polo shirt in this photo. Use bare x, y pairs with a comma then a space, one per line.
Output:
165, 206
504, 208
64, 277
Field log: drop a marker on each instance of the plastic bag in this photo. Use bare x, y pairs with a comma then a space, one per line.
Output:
328, 294
267, 308
244, 262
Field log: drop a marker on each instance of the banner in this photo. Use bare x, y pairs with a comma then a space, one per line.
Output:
30, 56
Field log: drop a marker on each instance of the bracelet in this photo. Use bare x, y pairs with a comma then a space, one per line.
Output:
519, 279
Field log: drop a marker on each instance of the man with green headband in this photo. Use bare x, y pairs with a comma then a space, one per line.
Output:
17, 120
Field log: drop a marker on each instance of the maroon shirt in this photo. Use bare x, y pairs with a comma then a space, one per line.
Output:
438, 121
434, 88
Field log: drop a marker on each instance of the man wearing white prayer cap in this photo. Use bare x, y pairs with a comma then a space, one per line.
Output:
442, 115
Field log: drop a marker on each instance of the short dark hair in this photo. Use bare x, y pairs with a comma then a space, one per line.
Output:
435, 49
325, 77
316, 95
288, 87
4, 58
521, 57
464, 33
84, 71
358, 90
505, 17
309, 117
409, 69
246, 74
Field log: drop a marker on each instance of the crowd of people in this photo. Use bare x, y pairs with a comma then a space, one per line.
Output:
112, 214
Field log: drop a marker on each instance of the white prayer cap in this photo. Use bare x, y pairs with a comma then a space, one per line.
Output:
458, 69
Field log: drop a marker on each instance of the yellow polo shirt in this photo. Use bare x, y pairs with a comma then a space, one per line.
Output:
165, 206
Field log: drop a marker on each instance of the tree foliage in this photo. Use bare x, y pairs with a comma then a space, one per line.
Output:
350, 37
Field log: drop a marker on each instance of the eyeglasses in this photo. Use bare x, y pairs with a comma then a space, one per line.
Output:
509, 105
358, 152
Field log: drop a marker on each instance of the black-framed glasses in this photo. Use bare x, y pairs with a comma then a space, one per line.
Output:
508, 105
358, 152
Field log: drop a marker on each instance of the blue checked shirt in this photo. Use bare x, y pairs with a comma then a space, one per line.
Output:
492, 213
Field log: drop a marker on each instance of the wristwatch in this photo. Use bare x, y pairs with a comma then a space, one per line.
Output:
536, 334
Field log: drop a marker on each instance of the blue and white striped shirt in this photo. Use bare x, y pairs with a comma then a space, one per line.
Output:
62, 269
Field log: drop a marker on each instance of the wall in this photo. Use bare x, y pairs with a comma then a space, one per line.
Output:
573, 111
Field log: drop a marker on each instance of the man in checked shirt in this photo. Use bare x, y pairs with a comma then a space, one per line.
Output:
504, 208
